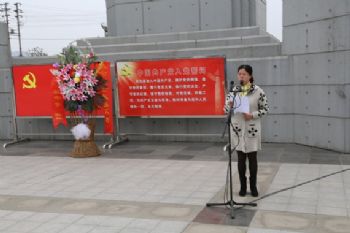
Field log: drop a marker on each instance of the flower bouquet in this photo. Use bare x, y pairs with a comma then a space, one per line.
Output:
80, 85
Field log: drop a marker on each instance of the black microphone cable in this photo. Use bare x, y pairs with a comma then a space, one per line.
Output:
296, 186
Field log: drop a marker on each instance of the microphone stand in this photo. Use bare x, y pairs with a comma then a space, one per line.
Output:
230, 202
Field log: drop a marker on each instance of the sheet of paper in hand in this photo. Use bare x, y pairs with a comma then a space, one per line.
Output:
241, 104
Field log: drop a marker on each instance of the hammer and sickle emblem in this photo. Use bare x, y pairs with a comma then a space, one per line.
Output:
29, 81
126, 71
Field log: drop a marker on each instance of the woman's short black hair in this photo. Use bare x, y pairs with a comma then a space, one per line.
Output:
248, 69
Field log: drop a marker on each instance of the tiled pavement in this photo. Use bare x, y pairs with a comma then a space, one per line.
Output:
163, 188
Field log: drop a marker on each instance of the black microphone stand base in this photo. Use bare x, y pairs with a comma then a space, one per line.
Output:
231, 204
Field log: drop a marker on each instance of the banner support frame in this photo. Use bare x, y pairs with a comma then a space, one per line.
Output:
117, 138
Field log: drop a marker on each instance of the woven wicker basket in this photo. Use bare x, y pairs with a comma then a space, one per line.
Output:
86, 148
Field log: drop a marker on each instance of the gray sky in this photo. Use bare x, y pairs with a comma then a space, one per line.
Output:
274, 18
51, 25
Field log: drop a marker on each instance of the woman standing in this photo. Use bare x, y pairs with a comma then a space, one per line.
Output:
246, 127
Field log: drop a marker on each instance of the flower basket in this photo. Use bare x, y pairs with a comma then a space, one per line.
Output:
79, 85
86, 147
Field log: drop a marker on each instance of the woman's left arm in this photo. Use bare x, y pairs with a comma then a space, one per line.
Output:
263, 106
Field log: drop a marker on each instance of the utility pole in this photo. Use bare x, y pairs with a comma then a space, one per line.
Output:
19, 16
4, 8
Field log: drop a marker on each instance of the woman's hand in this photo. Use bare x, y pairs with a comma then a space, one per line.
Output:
248, 116
231, 104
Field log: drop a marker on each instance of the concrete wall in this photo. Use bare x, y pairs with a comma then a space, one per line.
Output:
134, 17
6, 107
317, 38
272, 74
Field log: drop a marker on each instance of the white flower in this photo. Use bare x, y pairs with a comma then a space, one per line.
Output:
77, 74
81, 131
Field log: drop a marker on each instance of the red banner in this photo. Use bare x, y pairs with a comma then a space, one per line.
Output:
104, 71
179, 87
58, 113
34, 93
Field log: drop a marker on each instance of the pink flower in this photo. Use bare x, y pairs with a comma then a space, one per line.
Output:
70, 90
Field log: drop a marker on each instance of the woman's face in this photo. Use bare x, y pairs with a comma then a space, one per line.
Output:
243, 76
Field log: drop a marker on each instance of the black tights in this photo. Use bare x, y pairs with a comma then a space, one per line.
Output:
253, 166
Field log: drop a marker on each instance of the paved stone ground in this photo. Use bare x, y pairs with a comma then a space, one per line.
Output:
151, 187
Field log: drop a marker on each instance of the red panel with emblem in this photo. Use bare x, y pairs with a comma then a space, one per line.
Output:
34, 93
32, 90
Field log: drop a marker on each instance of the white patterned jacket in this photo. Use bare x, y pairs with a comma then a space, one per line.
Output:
249, 132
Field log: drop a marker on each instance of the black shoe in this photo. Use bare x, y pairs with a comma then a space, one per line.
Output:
242, 192
252, 184
254, 191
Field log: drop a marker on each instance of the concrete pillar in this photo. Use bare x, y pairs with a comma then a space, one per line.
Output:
151, 17
252, 12
257, 13
6, 109
5, 58
245, 13
236, 13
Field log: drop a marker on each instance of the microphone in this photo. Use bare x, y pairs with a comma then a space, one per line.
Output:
232, 84
235, 89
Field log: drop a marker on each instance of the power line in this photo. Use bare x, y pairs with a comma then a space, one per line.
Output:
51, 39
65, 25
58, 20
55, 9
40, 21
66, 22
48, 16
42, 11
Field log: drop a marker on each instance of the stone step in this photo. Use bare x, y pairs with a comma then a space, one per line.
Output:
247, 51
182, 44
177, 36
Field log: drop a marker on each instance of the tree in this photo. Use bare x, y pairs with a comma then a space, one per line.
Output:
37, 52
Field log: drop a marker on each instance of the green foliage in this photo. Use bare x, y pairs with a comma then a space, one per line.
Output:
70, 55
71, 105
